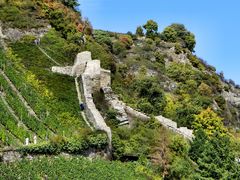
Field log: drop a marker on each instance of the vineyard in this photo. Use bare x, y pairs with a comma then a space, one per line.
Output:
34, 101
71, 168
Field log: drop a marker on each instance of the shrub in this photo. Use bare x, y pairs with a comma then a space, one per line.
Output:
139, 31
126, 40
209, 121
204, 89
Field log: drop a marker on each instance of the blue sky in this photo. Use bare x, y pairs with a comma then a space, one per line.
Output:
215, 23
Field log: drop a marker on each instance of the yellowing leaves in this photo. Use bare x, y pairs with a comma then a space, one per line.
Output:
209, 121
31, 78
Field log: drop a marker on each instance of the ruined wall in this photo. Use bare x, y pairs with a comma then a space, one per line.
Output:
113, 101
91, 111
136, 114
93, 78
168, 123
62, 70
105, 78
80, 63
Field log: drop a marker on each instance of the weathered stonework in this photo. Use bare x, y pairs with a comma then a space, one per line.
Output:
93, 79
116, 104
62, 70
168, 123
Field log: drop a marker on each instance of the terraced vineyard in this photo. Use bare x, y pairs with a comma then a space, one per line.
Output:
34, 101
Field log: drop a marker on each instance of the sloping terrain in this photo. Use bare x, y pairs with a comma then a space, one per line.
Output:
155, 73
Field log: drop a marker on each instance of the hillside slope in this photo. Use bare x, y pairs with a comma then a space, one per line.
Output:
152, 72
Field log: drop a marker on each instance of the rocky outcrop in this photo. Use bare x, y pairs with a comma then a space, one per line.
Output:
232, 98
14, 34
113, 101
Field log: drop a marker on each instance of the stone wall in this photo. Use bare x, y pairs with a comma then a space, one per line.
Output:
105, 78
93, 78
62, 70
91, 111
168, 123
136, 114
113, 101
80, 63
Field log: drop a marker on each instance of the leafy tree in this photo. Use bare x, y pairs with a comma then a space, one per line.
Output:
70, 3
169, 34
151, 27
214, 156
209, 121
178, 33
139, 31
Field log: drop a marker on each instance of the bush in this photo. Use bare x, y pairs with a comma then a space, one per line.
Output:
119, 48
126, 40
139, 31
60, 144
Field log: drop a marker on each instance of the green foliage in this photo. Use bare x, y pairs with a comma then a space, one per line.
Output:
70, 3
196, 62
111, 119
47, 93
204, 89
137, 141
178, 33
71, 168
151, 28
214, 156
103, 38
149, 90
180, 168
23, 15
220, 101
126, 40
169, 34
179, 146
139, 31
209, 121
119, 48
60, 144
98, 52
160, 59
